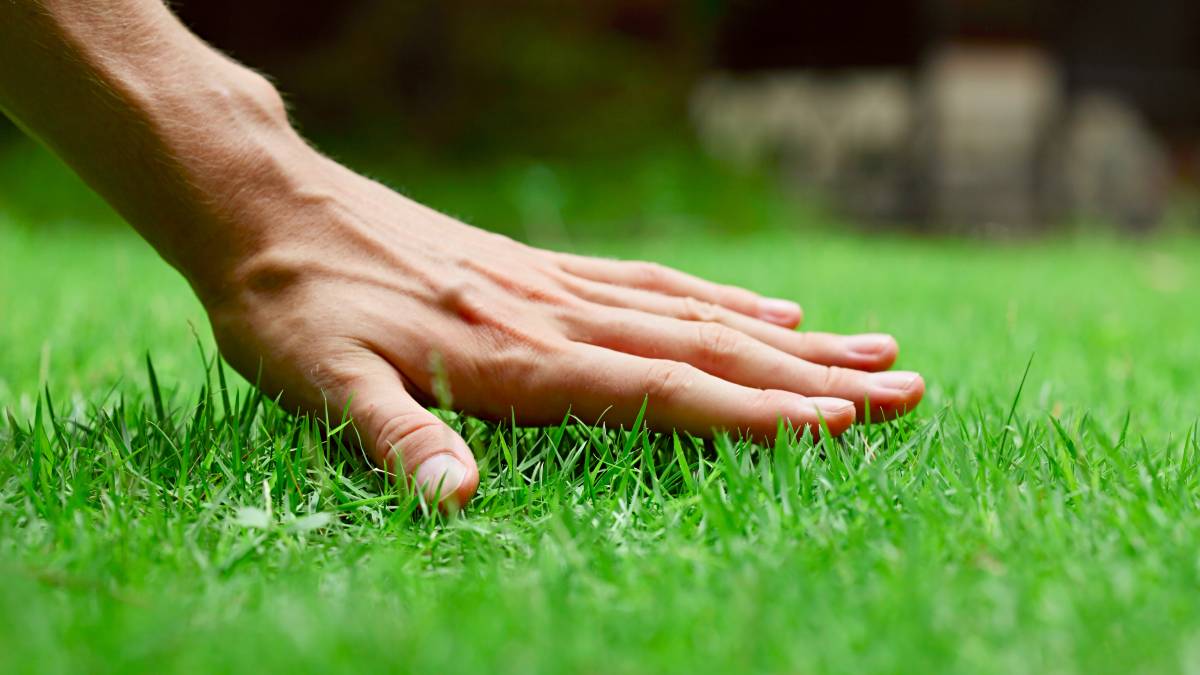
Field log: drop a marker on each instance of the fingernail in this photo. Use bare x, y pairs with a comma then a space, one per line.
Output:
894, 381
871, 344
831, 407
778, 311
440, 475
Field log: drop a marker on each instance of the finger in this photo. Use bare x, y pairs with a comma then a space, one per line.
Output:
654, 277
734, 356
604, 384
405, 438
869, 351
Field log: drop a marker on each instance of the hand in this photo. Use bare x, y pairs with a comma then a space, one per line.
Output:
338, 293
363, 298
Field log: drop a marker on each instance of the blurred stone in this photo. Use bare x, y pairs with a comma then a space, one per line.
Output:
986, 142
1113, 166
747, 122
845, 134
987, 112
872, 125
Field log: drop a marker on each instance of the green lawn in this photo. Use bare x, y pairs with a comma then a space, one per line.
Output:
1061, 536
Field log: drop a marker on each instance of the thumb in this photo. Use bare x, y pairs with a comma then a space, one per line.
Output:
402, 436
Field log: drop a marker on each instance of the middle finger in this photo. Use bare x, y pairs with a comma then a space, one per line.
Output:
869, 352
734, 356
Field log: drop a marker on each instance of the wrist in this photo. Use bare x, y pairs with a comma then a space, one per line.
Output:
255, 190
229, 165
189, 147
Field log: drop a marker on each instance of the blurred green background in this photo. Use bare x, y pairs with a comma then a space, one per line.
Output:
552, 120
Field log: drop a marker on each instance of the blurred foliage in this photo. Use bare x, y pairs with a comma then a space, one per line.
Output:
669, 188
468, 78
548, 120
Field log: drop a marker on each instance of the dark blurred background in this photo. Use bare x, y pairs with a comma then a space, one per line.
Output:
977, 116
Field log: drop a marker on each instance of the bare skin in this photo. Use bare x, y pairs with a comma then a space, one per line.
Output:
345, 294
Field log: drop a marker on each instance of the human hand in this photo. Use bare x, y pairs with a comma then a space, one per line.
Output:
335, 292
361, 298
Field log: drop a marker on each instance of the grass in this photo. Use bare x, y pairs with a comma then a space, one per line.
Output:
188, 526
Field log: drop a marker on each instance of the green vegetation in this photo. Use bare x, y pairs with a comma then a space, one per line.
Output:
188, 526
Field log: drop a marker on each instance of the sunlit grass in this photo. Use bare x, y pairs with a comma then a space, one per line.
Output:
188, 525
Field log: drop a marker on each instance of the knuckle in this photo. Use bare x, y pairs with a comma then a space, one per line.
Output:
649, 274
667, 380
699, 310
773, 403
586, 321
573, 314
552, 299
462, 299
833, 378
399, 435
518, 365
717, 344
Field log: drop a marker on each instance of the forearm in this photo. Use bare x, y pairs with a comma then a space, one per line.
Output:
178, 138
